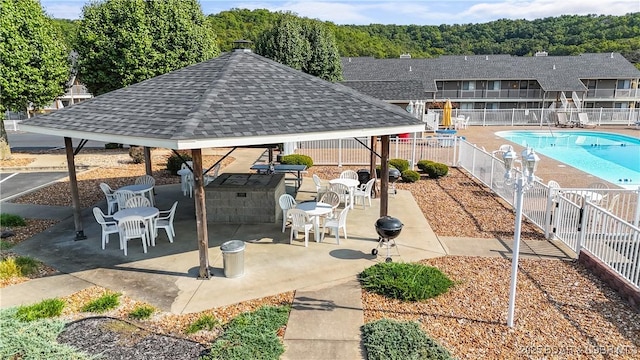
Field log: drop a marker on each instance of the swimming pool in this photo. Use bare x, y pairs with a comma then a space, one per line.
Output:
612, 157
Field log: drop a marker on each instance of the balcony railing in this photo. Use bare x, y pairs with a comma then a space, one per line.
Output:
533, 94
612, 93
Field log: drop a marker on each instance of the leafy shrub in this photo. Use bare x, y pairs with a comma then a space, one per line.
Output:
11, 220
422, 164
436, 170
142, 312
410, 176
9, 268
112, 146
391, 340
27, 265
137, 154
45, 309
174, 163
297, 159
400, 164
207, 322
252, 335
405, 281
103, 303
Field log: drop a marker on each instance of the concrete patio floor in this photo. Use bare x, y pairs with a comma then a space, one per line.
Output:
166, 276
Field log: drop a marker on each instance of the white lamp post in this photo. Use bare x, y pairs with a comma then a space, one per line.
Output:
529, 163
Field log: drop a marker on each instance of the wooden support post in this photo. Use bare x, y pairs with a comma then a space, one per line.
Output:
384, 174
372, 163
201, 215
270, 155
73, 184
147, 161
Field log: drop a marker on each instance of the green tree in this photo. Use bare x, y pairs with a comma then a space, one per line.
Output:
122, 42
323, 59
34, 63
284, 43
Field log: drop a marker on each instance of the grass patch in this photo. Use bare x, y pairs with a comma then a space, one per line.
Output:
405, 281
103, 303
47, 308
34, 339
9, 220
142, 312
204, 322
252, 335
27, 265
5, 245
391, 340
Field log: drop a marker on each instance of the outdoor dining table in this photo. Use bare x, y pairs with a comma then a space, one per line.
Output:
145, 190
148, 213
352, 184
316, 210
591, 196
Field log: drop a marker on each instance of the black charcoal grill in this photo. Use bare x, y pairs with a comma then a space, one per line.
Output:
388, 228
394, 176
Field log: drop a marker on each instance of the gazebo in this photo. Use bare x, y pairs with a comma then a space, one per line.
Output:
237, 99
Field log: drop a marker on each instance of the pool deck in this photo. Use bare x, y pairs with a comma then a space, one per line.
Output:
548, 169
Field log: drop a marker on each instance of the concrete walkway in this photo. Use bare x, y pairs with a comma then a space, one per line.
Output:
326, 315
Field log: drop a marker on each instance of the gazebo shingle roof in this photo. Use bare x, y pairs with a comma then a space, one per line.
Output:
237, 99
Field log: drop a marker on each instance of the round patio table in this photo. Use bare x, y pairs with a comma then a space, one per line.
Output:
316, 210
352, 184
145, 190
148, 213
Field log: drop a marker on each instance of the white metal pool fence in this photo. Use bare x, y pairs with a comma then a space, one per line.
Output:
609, 230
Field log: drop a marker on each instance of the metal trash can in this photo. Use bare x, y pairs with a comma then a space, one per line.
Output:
364, 176
233, 258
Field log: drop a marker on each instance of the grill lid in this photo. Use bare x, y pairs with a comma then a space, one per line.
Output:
389, 223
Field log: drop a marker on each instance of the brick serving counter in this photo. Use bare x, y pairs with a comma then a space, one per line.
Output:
245, 199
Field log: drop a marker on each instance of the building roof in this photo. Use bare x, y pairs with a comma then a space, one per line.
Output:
236, 99
554, 73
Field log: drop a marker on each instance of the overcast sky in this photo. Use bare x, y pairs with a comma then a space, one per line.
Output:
425, 12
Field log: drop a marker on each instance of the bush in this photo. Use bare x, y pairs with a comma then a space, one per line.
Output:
9, 268
405, 281
401, 164
103, 303
27, 265
207, 322
112, 146
9, 220
297, 159
390, 340
174, 163
137, 154
436, 170
410, 176
142, 312
45, 309
252, 335
422, 164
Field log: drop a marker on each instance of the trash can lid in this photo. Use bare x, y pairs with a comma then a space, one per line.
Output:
232, 246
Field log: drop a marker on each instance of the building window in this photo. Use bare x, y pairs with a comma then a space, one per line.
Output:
624, 84
491, 106
621, 105
466, 106
468, 85
493, 85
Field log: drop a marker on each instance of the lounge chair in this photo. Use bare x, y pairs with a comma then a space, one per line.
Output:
561, 120
584, 121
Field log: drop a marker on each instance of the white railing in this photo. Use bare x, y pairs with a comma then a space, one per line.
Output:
12, 125
517, 117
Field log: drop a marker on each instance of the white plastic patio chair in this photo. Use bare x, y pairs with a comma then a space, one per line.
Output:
287, 202
122, 196
320, 189
334, 225
342, 191
108, 227
332, 198
112, 202
363, 192
349, 174
132, 227
211, 175
145, 179
137, 201
300, 221
165, 221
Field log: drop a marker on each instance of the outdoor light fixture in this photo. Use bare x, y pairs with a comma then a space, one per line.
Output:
524, 180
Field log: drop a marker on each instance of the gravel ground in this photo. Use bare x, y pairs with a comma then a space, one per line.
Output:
562, 311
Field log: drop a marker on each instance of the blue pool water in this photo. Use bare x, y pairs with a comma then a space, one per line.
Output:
612, 157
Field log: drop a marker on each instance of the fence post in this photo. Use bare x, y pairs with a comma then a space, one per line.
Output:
413, 150
600, 117
581, 232
513, 116
484, 117
339, 152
